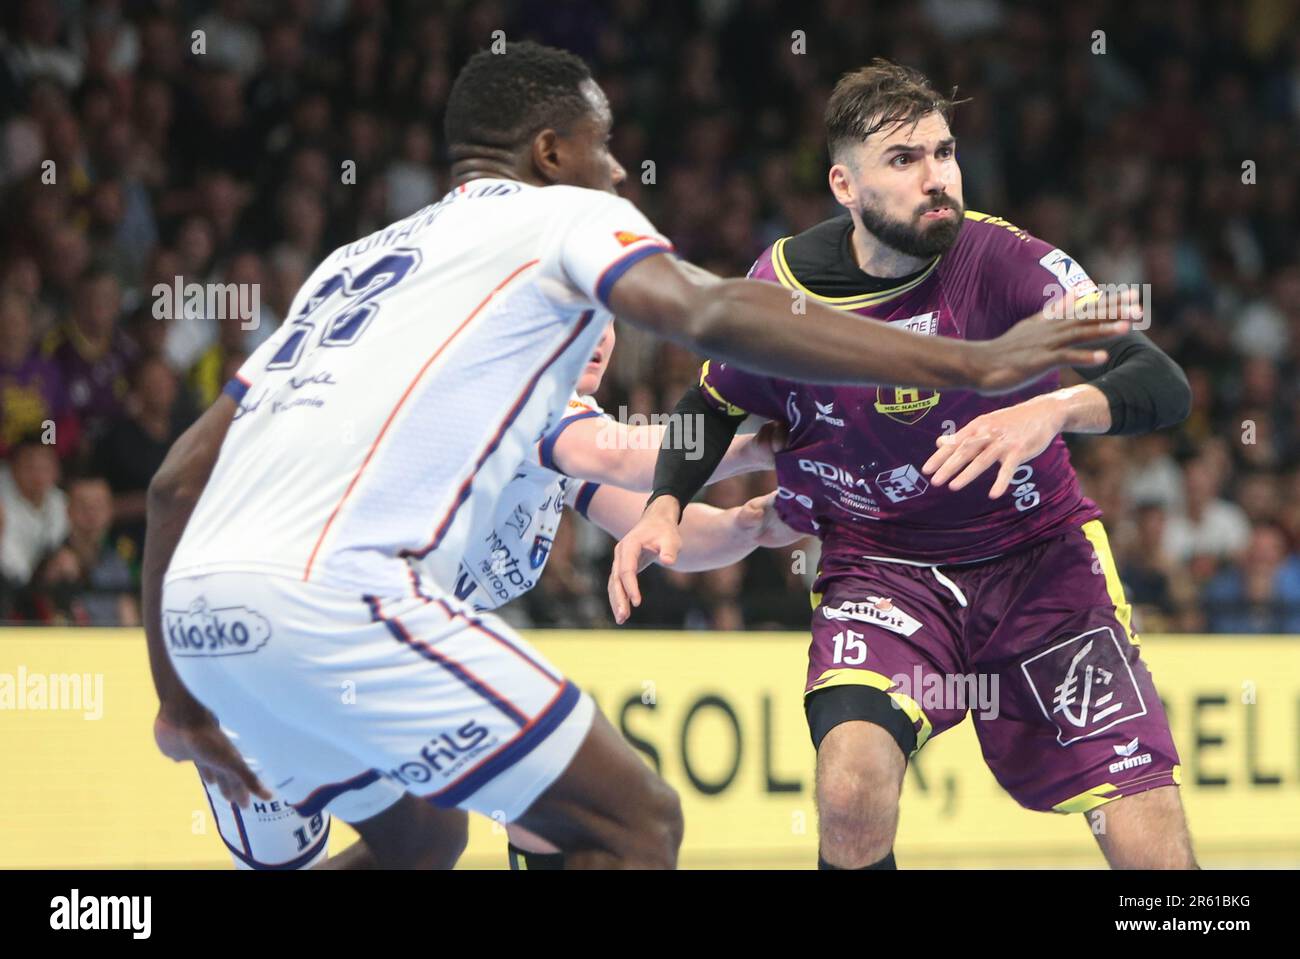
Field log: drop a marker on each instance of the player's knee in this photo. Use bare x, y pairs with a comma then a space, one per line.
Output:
654, 835
857, 796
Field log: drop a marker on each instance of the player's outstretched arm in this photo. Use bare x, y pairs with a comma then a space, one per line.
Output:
753, 324
710, 537
184, 729
602, 450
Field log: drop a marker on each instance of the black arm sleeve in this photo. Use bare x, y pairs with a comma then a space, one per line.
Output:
683, 468
1146, 389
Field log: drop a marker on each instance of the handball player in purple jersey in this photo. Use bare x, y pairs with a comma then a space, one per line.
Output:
962, 568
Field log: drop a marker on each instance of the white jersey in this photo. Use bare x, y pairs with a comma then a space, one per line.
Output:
507, 561
416, 370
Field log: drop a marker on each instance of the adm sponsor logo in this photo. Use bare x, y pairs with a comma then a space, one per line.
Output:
853, 492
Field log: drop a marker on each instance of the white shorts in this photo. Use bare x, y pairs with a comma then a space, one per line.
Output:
269, 833
348, 701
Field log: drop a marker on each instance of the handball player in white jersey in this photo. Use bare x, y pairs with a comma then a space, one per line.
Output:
588, 462
305, 534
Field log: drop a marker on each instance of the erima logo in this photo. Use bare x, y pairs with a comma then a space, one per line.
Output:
1131, 762
1128, 749
824, 411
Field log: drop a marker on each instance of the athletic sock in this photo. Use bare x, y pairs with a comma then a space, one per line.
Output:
523, 859
886, 863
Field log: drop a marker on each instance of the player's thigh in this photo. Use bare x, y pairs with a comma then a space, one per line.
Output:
1147, 830
414, 834
1074, 720
608, 798
871, 661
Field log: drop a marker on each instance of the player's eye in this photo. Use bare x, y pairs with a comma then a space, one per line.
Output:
901, 160
945, 152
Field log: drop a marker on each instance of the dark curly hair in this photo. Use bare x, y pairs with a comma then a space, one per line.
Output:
880, 95
503, 99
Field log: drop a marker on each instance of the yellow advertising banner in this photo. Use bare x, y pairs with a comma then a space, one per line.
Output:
719, 715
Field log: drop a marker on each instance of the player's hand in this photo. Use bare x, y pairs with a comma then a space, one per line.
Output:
655, 537
1009, 437
1052, 338
202, 742
759, 522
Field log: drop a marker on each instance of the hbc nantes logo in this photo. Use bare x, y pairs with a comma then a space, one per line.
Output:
906, 404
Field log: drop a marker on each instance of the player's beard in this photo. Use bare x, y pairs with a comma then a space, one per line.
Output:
917, 238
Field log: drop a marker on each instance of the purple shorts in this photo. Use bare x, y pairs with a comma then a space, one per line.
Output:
1036, 645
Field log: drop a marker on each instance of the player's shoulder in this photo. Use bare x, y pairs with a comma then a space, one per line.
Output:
984, 236
989, 246
582, 405
814, 257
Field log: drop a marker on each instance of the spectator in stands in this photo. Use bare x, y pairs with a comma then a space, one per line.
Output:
136, 444
1260, 596
1210, 528
32, 397
87, 581
93, 354
35, 509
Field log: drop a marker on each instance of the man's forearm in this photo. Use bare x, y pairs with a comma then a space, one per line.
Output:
724, 329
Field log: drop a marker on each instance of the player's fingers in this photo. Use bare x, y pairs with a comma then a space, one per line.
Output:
1081, 331
234, 790
618, 604
619, 601
627, 570
939, 456
1079, 357
967, 450
977, 466
1003, 481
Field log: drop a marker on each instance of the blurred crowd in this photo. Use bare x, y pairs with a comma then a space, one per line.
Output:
212, 141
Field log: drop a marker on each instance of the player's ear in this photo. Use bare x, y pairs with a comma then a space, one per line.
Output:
548, 156
841, 183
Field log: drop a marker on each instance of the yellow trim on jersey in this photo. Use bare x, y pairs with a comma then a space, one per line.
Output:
785, 276
816, 599
732, 408
1096, 534
867, 677
1177, 774
995, 221
1089, 799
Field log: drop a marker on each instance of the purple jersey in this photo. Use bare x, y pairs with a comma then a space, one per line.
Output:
852, 471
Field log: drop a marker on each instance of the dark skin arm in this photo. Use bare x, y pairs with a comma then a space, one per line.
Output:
184, 729
753, 324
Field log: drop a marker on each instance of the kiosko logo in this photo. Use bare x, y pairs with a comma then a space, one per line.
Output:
227, 631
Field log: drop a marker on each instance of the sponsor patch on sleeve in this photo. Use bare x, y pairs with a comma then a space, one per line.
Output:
1073, 278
